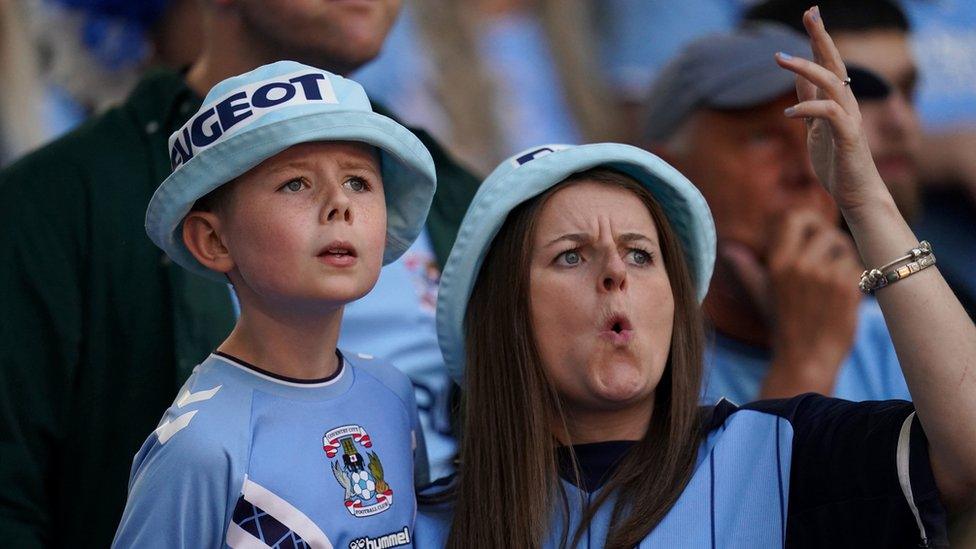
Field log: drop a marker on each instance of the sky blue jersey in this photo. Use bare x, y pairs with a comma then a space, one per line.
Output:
245, 458
871, 371
810, 471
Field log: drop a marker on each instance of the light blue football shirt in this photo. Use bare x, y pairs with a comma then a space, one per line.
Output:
871, 371
395, 322
245, 459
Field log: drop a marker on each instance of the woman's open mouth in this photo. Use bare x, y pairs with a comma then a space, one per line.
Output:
617, 330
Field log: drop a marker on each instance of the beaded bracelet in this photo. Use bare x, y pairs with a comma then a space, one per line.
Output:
919, 258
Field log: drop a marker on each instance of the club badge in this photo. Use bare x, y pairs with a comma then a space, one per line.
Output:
366, 491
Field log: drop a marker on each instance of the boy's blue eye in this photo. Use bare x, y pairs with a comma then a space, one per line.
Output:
294, 185
357, 184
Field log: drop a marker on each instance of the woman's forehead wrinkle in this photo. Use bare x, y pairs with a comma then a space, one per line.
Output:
581, 227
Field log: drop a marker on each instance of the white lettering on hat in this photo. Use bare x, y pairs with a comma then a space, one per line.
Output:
236, 110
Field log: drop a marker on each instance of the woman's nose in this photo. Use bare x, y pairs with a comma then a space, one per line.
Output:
614, 276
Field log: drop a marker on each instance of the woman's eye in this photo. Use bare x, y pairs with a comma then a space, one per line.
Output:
640, 257
293, 186
572, 257
357, 184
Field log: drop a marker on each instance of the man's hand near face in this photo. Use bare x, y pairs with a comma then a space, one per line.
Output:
808, 293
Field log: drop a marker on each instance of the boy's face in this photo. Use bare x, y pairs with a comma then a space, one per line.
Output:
307, 227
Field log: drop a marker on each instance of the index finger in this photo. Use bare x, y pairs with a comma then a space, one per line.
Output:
824, 50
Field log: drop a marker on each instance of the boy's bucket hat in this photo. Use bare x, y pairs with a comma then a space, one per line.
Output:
249, 118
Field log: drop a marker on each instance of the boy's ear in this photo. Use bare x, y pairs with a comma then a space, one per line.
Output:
202, 236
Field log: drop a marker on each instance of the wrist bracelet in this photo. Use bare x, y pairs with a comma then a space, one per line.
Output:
919, 258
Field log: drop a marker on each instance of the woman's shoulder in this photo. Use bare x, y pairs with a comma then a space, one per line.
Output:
806, 412
833, 465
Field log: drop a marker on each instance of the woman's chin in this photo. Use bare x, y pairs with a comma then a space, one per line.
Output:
621, 384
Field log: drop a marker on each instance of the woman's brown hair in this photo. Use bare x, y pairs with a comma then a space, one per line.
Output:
508, 479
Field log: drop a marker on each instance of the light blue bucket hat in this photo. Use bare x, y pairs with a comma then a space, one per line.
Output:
529, 174
249, 118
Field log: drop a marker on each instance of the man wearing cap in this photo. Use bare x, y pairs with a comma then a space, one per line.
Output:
100, 329
783, 304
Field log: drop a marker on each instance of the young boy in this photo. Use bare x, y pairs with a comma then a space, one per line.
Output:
289, 186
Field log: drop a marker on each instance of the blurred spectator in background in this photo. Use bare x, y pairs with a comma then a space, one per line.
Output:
493, 77
22, 124
784, 305
874, 38
872, 35
96, 50
930, 167
67, 59
933, 175
944, 39
99, 330
638, 37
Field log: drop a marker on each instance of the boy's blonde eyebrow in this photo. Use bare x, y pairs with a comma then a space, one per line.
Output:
344, 164
359, 164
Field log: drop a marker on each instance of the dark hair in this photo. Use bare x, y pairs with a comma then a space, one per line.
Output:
838, 15
508, 476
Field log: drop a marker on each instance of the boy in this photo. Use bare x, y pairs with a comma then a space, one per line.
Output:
289, 186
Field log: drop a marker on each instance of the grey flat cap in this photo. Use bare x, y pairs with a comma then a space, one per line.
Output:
733, 70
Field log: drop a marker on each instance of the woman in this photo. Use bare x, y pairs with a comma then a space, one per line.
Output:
568, 311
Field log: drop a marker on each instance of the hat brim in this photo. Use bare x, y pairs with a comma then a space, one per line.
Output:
407, 169
507, 187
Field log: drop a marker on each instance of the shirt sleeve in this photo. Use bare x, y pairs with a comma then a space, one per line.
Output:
179, 488
860, 475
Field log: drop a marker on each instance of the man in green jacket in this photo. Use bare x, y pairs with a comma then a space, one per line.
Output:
98, 330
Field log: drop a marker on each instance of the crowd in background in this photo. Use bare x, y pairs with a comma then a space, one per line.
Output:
489, 78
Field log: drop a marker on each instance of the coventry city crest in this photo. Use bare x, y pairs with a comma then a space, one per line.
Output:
366, 492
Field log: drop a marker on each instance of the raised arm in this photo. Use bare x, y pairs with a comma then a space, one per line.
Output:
934, 338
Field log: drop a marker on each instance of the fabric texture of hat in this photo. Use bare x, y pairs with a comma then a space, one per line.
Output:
249, 118
529, 174
734, 70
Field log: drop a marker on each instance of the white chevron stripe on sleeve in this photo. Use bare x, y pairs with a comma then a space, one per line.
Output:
170, 428
190, 398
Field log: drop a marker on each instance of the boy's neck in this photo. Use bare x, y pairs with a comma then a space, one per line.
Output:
289, 345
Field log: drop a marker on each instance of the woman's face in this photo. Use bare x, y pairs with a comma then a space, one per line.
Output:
601, 303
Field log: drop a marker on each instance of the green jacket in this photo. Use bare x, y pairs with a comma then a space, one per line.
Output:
98, 329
